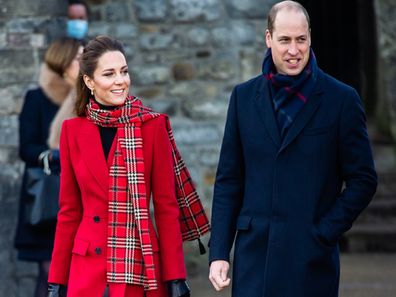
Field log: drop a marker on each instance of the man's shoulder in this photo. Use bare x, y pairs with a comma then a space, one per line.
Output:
334, 84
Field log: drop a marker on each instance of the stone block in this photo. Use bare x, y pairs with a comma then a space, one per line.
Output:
209, 157
205, 109
244, 32
153, 10
250, 63
98, 28
37, 40
198, 36
156, 41
188, 133
16, 40
148, 92
151, 75
183, 71
34, 8
125, 30
194, 10
164, 106
249, 8
221, 67
118, 12
22, 71
11, 99
222, 37
183, 89
9, 128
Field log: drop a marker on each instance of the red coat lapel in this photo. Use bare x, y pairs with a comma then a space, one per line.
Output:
92, 153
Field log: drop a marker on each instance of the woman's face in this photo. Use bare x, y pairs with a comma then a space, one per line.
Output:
110, 82
71, 72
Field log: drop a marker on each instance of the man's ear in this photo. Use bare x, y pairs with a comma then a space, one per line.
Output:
88, 81
268, 38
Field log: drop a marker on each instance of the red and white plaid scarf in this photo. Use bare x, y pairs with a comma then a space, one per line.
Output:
130, 254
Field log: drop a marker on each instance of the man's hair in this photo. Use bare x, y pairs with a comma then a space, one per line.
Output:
289, 5
61, 53
81, 2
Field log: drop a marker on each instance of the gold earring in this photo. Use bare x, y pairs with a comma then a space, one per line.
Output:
92, 92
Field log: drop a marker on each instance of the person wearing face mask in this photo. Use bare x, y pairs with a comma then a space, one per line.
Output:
57, 79
77, 23
117, 157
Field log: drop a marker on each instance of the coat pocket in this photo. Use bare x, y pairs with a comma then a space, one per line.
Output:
243, 223
80, 247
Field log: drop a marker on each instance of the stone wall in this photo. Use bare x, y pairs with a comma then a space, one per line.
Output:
386, 30
184, 57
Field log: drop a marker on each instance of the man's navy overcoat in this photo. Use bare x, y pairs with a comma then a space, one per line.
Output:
286, 202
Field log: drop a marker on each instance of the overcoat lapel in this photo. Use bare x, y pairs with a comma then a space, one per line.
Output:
266, 112
305, 114
91, 149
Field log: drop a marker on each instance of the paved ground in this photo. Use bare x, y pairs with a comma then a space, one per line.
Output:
362, 275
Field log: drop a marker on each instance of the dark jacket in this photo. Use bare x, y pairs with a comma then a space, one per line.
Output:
34, 243
284, 200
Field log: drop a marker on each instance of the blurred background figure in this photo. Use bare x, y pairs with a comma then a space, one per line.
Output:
77, 23
41, 110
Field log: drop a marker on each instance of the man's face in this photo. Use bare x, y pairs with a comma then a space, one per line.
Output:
77, 12
290, 42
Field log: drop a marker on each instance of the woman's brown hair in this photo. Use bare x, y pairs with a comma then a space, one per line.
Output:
60, 54
88, 63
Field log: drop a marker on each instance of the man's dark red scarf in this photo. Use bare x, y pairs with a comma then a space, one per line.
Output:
289, 93
130, 253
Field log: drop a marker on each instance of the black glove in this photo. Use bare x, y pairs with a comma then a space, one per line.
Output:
178, 288
55, 290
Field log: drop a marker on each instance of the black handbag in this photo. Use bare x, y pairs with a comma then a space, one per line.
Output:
43, 185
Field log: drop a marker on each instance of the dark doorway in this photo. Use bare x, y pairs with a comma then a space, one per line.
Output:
344, 41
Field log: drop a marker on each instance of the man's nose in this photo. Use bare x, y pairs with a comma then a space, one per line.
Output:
293, 49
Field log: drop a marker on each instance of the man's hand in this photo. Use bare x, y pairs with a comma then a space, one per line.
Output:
218, 274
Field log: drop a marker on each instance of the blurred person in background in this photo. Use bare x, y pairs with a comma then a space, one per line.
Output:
116, 156
57, 79
77, 22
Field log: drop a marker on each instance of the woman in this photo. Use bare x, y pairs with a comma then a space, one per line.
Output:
115, 156
57, 79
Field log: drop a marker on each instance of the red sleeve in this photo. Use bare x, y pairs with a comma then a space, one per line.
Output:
166, 209
69, 215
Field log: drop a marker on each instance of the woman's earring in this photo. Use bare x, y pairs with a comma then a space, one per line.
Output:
92, 92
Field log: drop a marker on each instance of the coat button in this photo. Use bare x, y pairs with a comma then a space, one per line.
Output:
96, 219
98, 250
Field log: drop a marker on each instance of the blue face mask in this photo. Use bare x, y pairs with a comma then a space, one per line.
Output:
77, 28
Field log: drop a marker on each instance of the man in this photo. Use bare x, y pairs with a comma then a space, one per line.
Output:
77, 23
295, 171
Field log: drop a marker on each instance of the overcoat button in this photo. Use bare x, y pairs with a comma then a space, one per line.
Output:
98, 250
96, 219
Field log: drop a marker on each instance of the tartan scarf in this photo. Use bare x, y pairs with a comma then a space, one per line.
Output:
130, 254
289, 93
